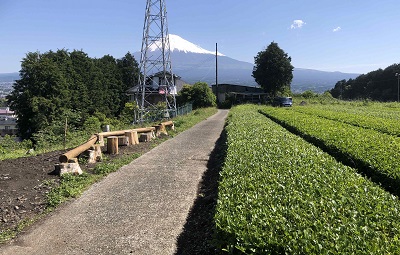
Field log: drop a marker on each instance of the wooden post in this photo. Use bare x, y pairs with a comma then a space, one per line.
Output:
157, 131
163, 130
92, 156
65, 133
123, 140
132, 137
95, 154
112, 144
169, 123
145, 137
101, 140
98, 153
160, 129
135, 137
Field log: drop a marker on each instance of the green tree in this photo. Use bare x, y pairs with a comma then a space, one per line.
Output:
273, 70
39, 96
380, 85
200, 94
185, 95
129, 69
60, 85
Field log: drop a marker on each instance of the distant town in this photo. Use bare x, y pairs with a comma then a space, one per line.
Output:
5, 88
6, 82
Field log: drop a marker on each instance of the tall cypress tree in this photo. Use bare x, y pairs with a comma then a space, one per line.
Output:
273, 70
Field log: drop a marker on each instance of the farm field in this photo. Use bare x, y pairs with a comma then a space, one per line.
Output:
280, 194
372, 152
382, 120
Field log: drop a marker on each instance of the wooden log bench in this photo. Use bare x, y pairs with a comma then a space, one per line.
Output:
78, 150
69, 162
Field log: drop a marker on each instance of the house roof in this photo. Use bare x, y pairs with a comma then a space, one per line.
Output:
6, 111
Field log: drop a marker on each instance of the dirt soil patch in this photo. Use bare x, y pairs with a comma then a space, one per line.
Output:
25, 183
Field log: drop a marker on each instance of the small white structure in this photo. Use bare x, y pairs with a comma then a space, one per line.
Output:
8, 126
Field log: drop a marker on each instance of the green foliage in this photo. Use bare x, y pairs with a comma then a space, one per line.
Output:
314, 98
11, 143
281, 195
92, 125
378, 85
309, 94
128, 114
273, 70
184, 122
109, 167
200, 94
185, 95
10, 147
3, 102
58, 85
71, 186
359, 117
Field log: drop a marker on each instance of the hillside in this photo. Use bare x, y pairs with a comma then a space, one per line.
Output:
194, 63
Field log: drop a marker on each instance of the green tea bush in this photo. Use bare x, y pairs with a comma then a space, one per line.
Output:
279, 194
359, 118
370, 150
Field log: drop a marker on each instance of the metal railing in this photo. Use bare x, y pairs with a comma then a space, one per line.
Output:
153, 115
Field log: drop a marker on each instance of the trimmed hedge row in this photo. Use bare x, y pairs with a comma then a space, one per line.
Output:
373, 110
279, 194
370, 150
359, 119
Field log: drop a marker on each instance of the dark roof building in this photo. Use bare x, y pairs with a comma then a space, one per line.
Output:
239, 93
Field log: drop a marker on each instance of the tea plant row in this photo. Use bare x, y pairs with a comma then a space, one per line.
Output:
373, 110
360, 119
369, 150
279, 194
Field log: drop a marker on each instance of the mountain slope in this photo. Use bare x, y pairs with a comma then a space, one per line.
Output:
9, 77
179, 44
194, 63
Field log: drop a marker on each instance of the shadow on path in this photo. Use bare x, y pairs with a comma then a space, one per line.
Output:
199, 229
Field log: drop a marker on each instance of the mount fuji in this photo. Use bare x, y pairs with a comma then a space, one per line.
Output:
193, 63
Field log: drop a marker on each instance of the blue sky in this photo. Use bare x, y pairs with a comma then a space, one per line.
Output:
355, 36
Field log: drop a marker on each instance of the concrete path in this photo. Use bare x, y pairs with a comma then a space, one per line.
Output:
141, 209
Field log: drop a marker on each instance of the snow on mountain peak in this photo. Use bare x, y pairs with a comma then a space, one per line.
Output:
177, 43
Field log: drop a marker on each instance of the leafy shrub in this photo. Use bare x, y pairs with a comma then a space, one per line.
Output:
200, 94
92, 125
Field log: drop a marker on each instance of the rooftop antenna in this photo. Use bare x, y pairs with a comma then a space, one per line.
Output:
156, 92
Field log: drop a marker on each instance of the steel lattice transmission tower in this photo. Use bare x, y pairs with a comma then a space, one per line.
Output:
157, 81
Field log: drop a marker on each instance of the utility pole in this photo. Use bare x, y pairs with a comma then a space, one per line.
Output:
398, 87
216, 71
157, 81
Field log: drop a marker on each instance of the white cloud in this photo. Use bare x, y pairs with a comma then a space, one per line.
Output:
298, 23
337, 29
